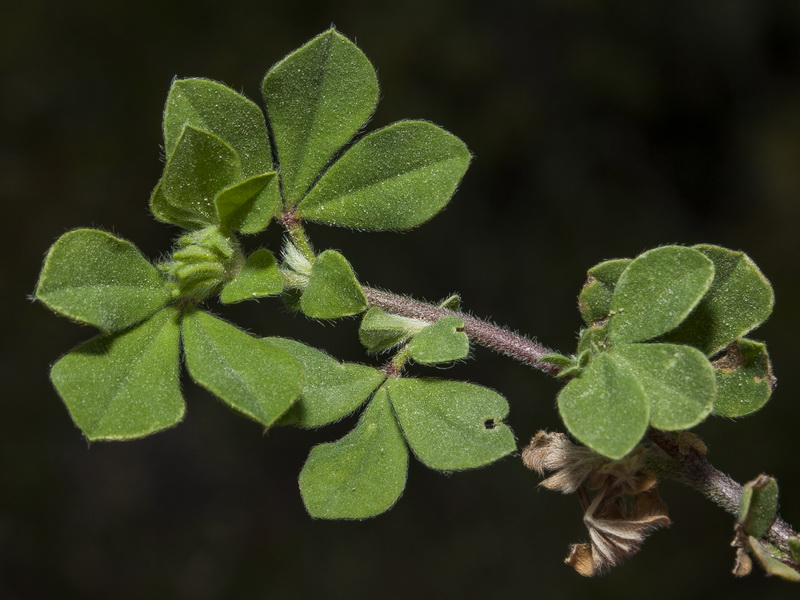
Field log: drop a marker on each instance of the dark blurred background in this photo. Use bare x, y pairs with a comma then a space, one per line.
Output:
600, 129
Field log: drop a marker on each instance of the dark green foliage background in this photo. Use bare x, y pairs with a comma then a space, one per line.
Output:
599, 129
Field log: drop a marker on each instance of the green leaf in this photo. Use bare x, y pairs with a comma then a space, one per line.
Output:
593, 339
381, 330
360, 475
605, 407
794, 546
333, 290
395, 178
256, 379
610, 403
238, 123
442, 341
568, 366
451, 425
770, 564
248, 206
215, 108
657, 291
124, 386
594, 301
608, 272
201, 166
451, 303
331, 390
740, 299
259, 277
744, 379
678, 381
93, 277
291, 298
558, 360
758, 505
317, 98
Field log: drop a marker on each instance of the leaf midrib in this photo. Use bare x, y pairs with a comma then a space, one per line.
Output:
136, 364
342, 197
253, 396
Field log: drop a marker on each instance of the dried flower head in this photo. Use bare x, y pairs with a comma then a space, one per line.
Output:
619, 498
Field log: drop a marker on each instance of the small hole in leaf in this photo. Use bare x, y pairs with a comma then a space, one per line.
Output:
489, 424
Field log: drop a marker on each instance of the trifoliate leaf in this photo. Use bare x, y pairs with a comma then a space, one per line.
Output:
381, 330
442, 341
451, 425
333, 290
740, 299
678, 381
317, 98
201, 166
594, 301
758, 505
360, 475
124, 386
657, 291
216, 108
331, 390
256, 379
605, 407
93, 277
248, 206
395, 178
259, 277
770, 564
744, 379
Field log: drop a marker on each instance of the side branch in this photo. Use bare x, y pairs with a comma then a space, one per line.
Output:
481, 332
671, 458
690, 467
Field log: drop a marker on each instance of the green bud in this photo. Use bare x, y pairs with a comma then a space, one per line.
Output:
203, 262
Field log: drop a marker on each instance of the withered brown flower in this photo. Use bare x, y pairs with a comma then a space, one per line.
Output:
619, 498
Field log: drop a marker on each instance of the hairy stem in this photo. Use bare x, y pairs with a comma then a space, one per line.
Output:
689, 466
297, 233
480, 332
686, 465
